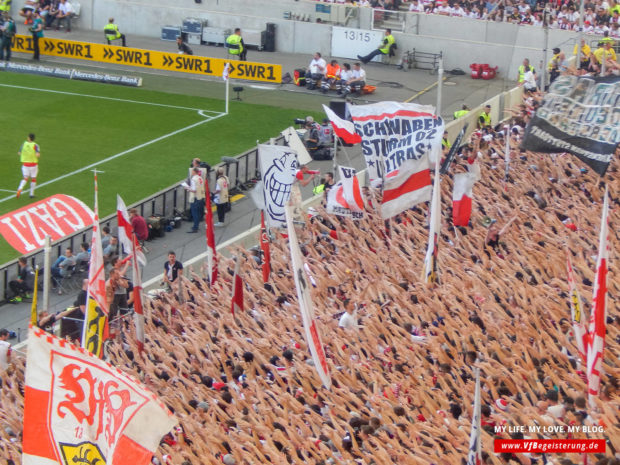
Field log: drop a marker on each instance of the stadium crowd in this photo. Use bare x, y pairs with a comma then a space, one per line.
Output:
401, 353
600, 16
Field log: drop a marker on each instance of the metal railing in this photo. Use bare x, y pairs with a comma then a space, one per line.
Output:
167, 203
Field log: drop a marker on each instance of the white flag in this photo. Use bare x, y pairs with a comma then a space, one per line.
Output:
279, 167
305, 303
345, 197
226, 72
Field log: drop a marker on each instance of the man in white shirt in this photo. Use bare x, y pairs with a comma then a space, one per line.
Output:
196, 199
357, 81
65, 12
458, 10
348, 320
5, 350
316, 71
416, 6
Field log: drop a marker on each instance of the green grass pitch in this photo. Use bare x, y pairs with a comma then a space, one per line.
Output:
75, 128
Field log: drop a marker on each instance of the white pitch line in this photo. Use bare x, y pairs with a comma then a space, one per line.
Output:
8, 190
120, 154
107, 98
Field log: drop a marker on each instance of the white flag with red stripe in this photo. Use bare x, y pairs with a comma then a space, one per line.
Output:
576, 312
126, 235
80, 409
305, 303
596, 331
397, 139
237, 291
210, 234
474, 455
226, 72
138, 315
462, 194
342, 127
345, 197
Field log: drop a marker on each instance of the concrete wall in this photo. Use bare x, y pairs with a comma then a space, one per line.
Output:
462, 41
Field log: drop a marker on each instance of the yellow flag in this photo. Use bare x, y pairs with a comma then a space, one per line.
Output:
33, 317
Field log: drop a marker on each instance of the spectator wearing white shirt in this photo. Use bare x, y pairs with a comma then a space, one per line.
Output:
5, 350
443, 9
457, 10
316, 71
65, 13
348, 320
416, 6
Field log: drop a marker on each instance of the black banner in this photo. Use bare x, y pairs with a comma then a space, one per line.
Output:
579, 115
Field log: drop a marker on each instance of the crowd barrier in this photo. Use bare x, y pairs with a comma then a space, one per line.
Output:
166, 203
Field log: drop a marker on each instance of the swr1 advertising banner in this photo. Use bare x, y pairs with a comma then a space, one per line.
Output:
57, 216
150, 59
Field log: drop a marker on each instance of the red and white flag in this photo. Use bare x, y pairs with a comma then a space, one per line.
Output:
474, 456
596, 331
432, 251
342, 127
138, 314
305, 303
126, 236
226, 72
95, 330
397, 143
264, 245
80, 409
461, 198
210, 233
345, 197
236, 304
576, 312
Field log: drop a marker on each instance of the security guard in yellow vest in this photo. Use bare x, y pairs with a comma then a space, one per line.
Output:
524, 68
462, 112
384, 48
445, 143
484, 120
235, 45
554, 64
29, 156
5, 5
112, 33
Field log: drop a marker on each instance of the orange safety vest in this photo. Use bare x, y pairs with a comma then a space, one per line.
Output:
332, 71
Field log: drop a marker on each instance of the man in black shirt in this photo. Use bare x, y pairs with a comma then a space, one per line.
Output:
183, 47
172, 269
22, 286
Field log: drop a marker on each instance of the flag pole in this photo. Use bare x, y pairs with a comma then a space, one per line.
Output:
33, 312
47, 266
227, 93
335, 152
507, 156
439, 86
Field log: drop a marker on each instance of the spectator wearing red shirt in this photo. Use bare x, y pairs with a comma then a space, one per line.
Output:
139, 225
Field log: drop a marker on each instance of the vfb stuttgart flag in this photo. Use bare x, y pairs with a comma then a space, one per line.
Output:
79, 409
